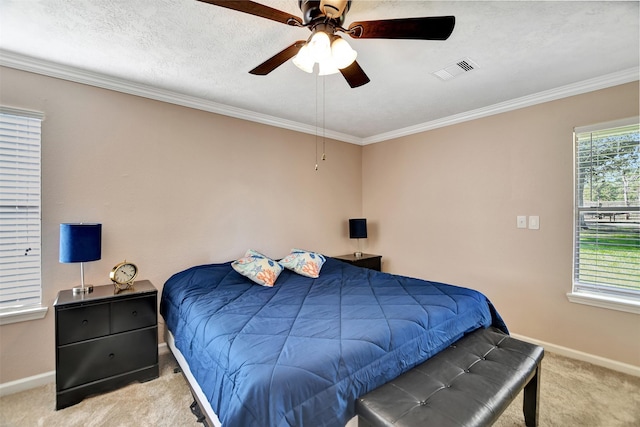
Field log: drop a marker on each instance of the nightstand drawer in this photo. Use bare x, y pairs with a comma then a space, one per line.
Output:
81, 323
374, 263
101, 358
132, 314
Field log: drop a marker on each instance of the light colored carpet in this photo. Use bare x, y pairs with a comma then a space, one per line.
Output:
161, 402
573, 393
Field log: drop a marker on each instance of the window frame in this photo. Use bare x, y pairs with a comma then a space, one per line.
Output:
32, 311
581, 292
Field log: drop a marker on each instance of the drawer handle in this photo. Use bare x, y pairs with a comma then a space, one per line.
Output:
111, 355
85, 322
134, 313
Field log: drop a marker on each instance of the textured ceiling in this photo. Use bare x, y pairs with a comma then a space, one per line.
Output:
202, 51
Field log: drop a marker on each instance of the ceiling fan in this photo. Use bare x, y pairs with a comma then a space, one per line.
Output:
332, 53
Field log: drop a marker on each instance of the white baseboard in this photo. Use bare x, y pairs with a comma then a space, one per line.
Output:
163, 348
625, 368
48, 377
27, 383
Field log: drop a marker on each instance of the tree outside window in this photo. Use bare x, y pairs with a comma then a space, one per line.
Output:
607, 224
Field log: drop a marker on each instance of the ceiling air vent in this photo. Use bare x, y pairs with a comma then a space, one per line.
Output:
454, 70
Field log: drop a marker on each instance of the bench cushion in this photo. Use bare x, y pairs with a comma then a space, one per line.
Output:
468, 384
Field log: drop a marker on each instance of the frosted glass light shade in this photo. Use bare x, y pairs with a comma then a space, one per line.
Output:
330, 56
320, 46
304, 60
327, 67
343, 55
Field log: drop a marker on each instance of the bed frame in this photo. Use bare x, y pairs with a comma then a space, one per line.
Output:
200, 406
395, 402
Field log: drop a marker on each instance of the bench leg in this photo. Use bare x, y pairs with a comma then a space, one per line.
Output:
531, 397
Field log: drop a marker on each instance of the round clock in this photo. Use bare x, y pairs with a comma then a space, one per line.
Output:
123, 275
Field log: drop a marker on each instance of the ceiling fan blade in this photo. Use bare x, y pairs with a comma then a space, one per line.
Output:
278, 59
257, 9
354, 75
428, 28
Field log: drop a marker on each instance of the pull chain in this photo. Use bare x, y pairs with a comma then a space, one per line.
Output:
316, 150
324, 140
324, 103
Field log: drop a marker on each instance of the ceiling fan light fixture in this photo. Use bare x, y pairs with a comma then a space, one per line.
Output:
327, 67
343, 55
325, 18
304, 60
319, 46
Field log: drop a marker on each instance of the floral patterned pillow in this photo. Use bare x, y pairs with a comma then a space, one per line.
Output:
304, 262
257, 267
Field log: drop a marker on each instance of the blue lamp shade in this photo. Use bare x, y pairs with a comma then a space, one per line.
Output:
80, 242
358, 228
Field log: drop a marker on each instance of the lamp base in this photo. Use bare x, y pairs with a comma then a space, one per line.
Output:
82, 289
357, 254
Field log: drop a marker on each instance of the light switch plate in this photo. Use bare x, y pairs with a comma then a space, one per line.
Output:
521, 221
534, 222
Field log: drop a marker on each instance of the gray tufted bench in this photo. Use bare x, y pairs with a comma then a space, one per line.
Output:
468, 384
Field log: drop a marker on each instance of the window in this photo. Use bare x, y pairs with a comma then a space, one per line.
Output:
20, 278
607, 216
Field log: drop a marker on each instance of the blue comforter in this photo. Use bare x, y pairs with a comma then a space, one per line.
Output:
300, 353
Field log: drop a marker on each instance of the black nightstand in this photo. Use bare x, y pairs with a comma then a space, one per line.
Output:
374, 262
104, 340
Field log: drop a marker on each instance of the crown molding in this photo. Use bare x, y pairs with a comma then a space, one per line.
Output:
64, 72
52, 69
590, 85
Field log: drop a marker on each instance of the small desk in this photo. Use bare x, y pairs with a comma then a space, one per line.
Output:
374, 262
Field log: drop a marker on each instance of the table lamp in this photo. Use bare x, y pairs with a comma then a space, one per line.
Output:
358, 230
80, 243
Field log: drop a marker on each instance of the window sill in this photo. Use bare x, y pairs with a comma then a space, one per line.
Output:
22, 314
603, 301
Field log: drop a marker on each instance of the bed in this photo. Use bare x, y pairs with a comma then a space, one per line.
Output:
301, 352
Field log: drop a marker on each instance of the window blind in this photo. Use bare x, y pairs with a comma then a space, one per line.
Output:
20, 248
607, 210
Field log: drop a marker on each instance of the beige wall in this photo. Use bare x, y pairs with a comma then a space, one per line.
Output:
173, 187
443, 204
